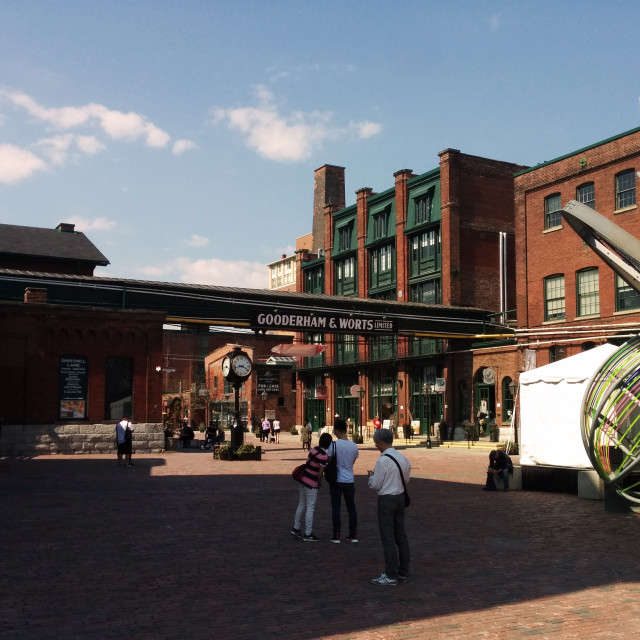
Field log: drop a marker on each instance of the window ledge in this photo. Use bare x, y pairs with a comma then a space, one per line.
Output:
588, 316
552, 229
625, 209
559, 321
627, 312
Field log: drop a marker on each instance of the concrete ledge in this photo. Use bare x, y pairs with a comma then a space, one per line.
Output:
515, 481
590, 485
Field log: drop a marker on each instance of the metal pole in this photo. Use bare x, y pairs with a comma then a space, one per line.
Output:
236, 430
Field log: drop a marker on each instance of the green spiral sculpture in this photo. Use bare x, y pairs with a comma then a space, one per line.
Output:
611, 419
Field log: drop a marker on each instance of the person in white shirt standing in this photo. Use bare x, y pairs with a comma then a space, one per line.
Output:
346, 452
385, 479
124, 438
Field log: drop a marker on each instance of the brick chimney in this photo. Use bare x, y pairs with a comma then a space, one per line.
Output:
328, 188
66, 227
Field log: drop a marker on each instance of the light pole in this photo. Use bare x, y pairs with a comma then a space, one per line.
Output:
264, 395
427, 388
361, 396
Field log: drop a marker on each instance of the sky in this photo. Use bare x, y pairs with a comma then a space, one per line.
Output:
182, 137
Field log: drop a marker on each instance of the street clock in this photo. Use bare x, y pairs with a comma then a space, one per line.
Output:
237, 365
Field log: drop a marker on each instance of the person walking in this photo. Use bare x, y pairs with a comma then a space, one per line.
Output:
276, 430
266, 430
387, 480
346, 453
305, 436
124, 441
308, 490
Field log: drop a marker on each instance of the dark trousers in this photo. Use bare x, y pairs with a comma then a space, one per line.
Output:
395, 543
348, 490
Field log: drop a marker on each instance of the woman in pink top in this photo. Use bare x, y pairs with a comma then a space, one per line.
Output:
308, 489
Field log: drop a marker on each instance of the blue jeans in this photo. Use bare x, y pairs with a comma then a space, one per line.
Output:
348, 489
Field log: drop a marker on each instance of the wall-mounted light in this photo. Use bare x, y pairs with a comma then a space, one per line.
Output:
158, 368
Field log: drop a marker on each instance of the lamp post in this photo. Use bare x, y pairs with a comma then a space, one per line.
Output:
514, 387
360, 398
427, 388
264, 395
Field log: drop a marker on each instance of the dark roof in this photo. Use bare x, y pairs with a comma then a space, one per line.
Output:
49, 243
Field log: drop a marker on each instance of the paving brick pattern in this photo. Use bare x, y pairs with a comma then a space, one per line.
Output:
182, 546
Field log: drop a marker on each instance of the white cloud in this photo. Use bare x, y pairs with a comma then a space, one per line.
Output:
198, 241
214, 272
116, 124
180, 146
287, 138
17, 164
94, 224
495, 21
58, 149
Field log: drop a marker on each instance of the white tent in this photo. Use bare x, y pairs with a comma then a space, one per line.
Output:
551, 409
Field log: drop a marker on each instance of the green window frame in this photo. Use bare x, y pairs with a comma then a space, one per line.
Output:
346, 276
425, 252
381, 224
552, 215
625, 189
314, 280
587, 292
381, 266
554, 300
346, 348
344, 237
423, 207
426, 291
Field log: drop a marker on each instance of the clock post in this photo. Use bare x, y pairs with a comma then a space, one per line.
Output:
237, 367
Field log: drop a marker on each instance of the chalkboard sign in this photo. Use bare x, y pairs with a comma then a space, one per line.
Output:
73, 374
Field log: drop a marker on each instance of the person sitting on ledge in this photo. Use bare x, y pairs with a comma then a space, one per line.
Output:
186, 436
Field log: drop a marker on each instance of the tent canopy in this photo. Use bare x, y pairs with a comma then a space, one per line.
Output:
551, 409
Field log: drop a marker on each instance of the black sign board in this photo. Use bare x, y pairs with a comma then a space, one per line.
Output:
73, 373
318, 321
269, 381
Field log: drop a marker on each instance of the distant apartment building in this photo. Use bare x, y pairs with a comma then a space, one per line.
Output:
283, 272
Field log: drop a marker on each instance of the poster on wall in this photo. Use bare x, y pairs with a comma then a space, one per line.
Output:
72, 387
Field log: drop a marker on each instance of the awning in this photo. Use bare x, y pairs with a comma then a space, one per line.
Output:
299, 350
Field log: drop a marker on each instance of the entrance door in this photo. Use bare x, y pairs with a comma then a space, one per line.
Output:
485, 403
315, 412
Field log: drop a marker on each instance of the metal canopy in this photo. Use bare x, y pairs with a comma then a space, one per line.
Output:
226, 306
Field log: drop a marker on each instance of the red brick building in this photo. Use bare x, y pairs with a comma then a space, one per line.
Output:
445, 237
568, 299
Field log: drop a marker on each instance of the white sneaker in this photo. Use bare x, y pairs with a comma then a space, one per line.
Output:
384, 580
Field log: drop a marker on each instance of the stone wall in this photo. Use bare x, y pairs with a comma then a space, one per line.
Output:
76, 438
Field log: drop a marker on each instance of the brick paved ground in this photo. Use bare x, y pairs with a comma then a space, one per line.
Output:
184, 547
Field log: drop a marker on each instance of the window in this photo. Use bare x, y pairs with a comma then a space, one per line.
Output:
626, 296
314, 280
554, 298
346, 277
118, 388
346, 348
557, 352
344, 237
381, 264
425, 252
586, 194
427, 292
507, 400
552, 215
424, 207
625, 189
588, 292
380, 225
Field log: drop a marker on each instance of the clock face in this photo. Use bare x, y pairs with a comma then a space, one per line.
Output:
226, 366
241, 366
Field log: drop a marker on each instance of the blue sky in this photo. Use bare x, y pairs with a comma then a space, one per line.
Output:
182, 137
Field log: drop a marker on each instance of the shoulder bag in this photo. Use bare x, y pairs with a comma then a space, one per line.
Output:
331, 468
407, 499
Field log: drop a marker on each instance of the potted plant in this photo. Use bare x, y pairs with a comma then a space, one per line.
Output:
223, 452
248, 452
170, 441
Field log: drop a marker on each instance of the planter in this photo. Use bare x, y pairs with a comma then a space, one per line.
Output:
171, 444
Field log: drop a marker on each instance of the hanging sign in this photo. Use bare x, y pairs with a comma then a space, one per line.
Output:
318, 321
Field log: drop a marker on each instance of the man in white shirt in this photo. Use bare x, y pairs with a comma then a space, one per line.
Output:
346, 452
386, 480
